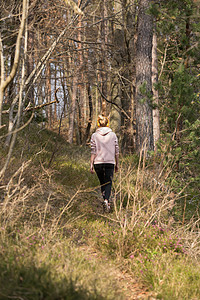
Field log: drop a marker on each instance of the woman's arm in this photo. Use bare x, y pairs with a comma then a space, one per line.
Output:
92, 163
116, 154
93, 153
116, 163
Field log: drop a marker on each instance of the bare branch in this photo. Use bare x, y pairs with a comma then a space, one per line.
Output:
119, 107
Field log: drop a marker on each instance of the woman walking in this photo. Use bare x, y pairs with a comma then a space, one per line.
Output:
104, 157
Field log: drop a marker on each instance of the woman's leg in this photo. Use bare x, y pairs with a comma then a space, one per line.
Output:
100, 171
109, 170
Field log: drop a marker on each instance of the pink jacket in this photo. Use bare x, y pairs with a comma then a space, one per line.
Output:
104, 144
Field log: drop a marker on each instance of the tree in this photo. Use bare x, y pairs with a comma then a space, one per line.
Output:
6, 80
25, 83
156, 113
144, 117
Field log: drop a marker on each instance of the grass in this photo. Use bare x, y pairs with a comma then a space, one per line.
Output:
175, 278
40, 267
57, 244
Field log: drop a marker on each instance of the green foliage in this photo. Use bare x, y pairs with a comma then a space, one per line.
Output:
179, 103
183, 160
173, 277
182, 104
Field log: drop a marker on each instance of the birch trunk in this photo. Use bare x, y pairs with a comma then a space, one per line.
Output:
156, 118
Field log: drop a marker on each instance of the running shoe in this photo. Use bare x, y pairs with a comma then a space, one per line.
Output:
106, 206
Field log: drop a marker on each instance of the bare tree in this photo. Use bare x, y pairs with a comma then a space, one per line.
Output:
25, 83
5, 80
5, 83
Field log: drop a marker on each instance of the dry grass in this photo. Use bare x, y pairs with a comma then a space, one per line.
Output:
49, 218
38, 259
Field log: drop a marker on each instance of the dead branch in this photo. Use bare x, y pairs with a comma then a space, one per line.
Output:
119, 107
42, 105
36, 107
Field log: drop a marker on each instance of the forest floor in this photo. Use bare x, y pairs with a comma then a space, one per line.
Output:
130, 285
56, 243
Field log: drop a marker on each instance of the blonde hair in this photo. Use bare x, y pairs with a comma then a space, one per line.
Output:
102, 121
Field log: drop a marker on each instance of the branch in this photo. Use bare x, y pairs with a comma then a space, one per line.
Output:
119, 107
39, 67
38, 106
19, 129
1, 59
6, 82
44, 104
74, 6
163, 62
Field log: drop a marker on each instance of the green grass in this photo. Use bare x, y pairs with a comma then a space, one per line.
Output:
174, 278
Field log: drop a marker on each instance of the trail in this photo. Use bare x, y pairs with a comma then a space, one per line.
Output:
131, 287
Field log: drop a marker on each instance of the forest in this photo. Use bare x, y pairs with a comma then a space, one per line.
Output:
63, 63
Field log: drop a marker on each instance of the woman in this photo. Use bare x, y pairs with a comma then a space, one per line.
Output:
104, 157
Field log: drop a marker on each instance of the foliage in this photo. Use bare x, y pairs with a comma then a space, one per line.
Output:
178, 87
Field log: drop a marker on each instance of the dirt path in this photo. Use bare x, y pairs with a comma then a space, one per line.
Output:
131, 287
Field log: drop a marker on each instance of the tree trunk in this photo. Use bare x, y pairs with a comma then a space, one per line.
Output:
55, 113
73, 110
5, 82
104, 38
144, 116
156, 118
87, 131
48, 95
30, 65
81, 107
20, 103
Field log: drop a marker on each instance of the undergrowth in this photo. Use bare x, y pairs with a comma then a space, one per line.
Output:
57, 244
38, 265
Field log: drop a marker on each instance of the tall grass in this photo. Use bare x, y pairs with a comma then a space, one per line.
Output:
55, 243
143, 235
38, 259
162, 251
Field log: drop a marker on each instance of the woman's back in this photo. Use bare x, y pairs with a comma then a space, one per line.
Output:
104, 145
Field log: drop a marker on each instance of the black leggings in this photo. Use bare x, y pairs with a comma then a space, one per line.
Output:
105, 175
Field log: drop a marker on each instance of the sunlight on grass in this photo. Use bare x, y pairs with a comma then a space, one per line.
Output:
173, 277
39, 266
56, 243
